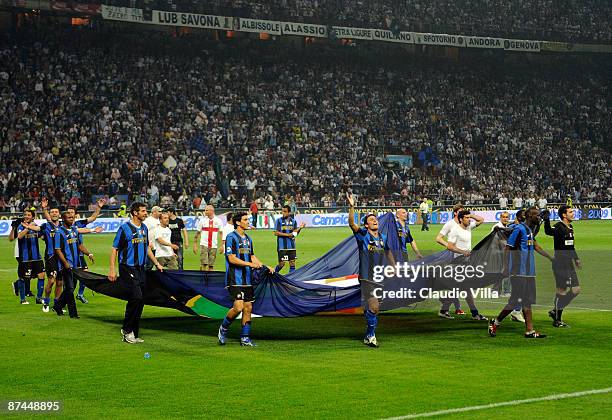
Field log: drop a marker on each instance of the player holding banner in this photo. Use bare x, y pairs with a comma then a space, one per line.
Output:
522, 245
373, 248
240, 261
568, 286
68, 246
286, 232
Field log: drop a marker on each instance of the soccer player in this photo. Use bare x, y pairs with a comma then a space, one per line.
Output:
179, 237
31, 264
164, 248
49, 229
81, 225
240, 261
12, 236
372, 249
504, 223
208, 229
401, 222
460, 243
131, 244
286, 232
67, 248
565, 262
522, 245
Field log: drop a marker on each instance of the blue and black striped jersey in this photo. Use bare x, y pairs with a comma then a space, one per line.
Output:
371, 252
28, 245
132, 242
285, 225
241, 247
67, 240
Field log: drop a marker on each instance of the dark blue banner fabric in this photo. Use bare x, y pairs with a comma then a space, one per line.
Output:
296, 295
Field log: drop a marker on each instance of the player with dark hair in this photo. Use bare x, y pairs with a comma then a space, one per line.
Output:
286, 232
565, 262
67, 244
403, 231
521, 246
81, 224
132, 246
460, 243
240, 261
31, 260
373, 248
49, 228
472, 221
446, 229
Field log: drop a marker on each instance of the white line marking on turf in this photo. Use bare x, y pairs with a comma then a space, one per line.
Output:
505, 404
548, 306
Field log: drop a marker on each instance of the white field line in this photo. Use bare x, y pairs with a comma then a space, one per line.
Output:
553, 397
570, 307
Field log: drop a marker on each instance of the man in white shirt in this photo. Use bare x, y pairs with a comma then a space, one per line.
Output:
542, 203
460, 243
152, 222
517, 202
504, 220
207, 232
164, 248
503, 203
424, 210
228, 228
269, 208
446, 229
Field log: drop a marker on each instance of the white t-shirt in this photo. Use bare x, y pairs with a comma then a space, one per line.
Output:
227, 229
151, 223
209, 229
163, 250
518, 202
542, 202
498, 224
462, 238
424, 207
503, 202
448, 226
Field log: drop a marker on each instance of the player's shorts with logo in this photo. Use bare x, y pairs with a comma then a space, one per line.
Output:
30, 269
565, 274
51, 265
523, 291
286, 255
245, 293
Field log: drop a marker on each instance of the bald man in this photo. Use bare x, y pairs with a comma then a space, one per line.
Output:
208, 230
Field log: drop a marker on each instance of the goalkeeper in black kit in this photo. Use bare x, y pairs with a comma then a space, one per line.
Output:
564, 264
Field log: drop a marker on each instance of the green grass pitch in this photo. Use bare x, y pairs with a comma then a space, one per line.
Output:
312, 367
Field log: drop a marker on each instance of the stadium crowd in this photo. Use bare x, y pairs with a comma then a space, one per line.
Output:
83, 114
559, 20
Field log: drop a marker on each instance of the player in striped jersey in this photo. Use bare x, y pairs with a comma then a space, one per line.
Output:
31, 260
240, 261
68, 246
286, 232
131, 245
81, 225
373, 251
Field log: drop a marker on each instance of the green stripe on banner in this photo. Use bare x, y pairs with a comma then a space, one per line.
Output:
207, 308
